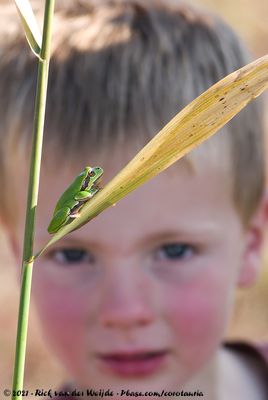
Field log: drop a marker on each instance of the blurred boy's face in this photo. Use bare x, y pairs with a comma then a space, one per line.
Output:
139, 298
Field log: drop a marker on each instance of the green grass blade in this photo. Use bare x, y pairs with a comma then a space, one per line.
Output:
198, 121
21, 341
33, 186
30, 25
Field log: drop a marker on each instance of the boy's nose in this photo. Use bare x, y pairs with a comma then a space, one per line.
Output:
127, 302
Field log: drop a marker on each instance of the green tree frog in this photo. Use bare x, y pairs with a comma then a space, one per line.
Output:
82, 189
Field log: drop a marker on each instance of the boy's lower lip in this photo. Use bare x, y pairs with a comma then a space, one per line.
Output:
138, 364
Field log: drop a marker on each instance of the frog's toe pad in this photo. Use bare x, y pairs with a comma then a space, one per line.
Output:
76, 215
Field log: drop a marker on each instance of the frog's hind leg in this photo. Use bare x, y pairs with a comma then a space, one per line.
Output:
60, 218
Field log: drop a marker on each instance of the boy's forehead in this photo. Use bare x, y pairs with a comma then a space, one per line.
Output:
210, 158
186, 171
176, 190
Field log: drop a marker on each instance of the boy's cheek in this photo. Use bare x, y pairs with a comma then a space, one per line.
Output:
60, 313
56, 301
198, 313
63, 319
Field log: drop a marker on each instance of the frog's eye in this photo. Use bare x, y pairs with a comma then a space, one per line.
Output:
92, 173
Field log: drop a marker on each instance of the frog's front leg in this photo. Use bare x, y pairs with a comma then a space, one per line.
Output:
83, 195
75, 210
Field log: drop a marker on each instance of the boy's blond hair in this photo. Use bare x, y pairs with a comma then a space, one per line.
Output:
120, 70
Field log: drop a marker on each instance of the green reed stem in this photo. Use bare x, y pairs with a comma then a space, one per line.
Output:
33, 186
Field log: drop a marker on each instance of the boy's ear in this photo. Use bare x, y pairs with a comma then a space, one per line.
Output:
254, 240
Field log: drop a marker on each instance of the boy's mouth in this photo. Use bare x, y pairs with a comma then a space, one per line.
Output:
133, 363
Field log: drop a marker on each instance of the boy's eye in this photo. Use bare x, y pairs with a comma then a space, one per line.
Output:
72, 256
174, 251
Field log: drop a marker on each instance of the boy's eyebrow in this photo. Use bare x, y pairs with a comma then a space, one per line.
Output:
65, 241
187, 232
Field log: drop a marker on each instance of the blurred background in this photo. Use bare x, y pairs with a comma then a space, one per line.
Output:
250, 316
